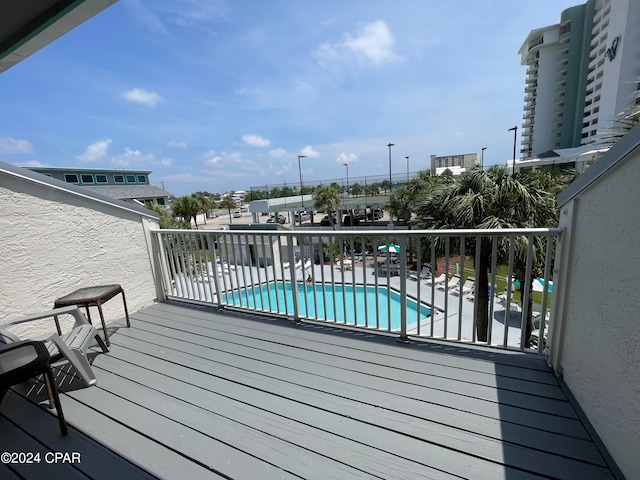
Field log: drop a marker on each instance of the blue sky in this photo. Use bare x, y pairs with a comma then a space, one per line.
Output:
224, 95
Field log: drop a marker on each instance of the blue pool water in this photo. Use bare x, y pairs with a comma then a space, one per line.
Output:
278, 298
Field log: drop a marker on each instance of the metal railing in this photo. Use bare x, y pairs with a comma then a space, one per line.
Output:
364, 279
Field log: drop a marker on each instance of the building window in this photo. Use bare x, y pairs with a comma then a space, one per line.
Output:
142, 179
160, 201
71, 178
101, 179
131, 179
86, 178
118, 178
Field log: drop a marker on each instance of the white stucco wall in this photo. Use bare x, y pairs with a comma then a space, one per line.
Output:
600, 347
54, 242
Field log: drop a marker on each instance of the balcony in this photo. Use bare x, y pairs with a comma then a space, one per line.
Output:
214, 380
190, 393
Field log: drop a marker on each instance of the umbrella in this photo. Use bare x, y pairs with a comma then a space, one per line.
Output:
538, 285
392, 247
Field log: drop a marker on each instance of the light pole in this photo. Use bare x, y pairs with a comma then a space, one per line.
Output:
513, 167
347, 165
390, 145
300, 172
407, 169
390, 226
482, 159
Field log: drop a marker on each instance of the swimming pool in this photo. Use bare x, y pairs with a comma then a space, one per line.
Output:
363, 307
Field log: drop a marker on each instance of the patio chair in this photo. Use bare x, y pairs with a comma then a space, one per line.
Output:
72, 345
465, 289
424, 274
22, 360
436, 281
454, 282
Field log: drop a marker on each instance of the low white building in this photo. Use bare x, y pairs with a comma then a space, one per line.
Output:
578, 158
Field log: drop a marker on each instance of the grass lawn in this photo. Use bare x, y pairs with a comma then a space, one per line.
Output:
501, 284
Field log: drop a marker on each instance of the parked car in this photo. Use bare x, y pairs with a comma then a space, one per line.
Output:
237, 214
301, 216
276, 219
350, 221
325, 222
375, 214
360, 213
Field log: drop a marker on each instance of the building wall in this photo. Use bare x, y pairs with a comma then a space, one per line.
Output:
599, 354
466, 160
575, 80
55, 241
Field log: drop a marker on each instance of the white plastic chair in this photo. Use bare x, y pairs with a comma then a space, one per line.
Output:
72, 345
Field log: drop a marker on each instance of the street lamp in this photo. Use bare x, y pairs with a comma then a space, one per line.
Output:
300, 172
407, 169
513, 167
347, 165
482, 159
390, 145
390, 226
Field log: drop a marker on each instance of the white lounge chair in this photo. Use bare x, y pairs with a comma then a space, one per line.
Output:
436, 281
466, 288
72, 345
423, 275
454, 282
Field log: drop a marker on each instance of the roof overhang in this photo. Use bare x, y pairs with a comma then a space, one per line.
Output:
26, 26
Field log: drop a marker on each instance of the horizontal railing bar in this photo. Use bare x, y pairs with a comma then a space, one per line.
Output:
544, 232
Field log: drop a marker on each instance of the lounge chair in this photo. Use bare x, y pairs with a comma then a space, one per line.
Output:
72, 345
436, 281
466, 288
454, 282
424, 274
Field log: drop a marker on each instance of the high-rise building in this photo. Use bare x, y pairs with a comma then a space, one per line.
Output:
581, 73
454, 163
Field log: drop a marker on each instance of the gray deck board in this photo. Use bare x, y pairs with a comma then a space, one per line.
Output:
194, 393
389, 411
475, 420
96, 461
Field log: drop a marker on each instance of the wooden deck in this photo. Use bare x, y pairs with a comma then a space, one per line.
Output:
191, 393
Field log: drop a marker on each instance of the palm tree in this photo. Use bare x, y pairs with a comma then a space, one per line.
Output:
228, 202
327, 200
187, 207
166, 220
400, 204
486, 200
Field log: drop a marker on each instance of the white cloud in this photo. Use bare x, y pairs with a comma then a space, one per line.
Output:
308, 151
133, 157
277, 153
211, 158
10, 145
373, 44
256, 140
347, 158
177, 144
94, 152
142, 96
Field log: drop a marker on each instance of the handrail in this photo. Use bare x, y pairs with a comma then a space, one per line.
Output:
355, 283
